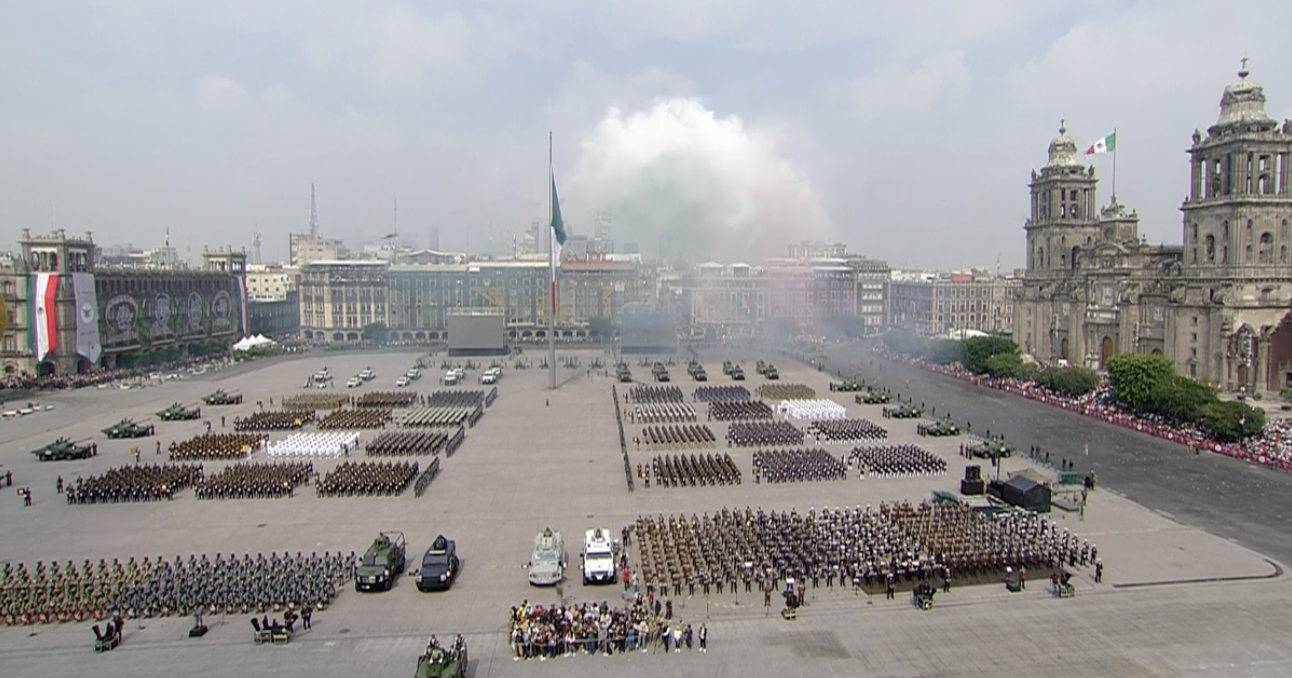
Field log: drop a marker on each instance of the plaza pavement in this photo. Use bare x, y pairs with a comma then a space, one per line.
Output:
541, 459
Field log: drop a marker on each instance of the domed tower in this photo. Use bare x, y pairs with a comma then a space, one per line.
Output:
1063, 217
1236, 215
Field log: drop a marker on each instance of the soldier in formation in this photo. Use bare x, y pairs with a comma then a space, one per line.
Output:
689, 471
368, 478
798, 465
897, 461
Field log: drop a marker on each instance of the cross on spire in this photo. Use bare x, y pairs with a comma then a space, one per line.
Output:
1063, 126
1243, 73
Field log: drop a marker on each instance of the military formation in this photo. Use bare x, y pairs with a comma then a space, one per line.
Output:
896, 544
897, 461
283, 420
256, 480
763, 434
310, 402
369, 418
368, 478
694, 470
739, 410
836, 430
644, 393
786, 392
713, 394
678, 435
140, 482
797, 465
386, 399
468, 399
396, 443
438, 416
661, 413
211, 446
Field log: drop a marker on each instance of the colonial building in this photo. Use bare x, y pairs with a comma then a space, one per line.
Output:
953, 303
1093, 288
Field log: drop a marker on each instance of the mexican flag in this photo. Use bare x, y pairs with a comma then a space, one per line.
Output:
558, 239
1107, 144
43, 309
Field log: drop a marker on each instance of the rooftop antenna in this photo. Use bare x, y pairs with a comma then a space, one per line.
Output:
255, 244
314, 215
395, 225
998, 264
168, 236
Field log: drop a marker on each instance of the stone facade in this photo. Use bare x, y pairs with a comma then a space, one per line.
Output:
1093, 288
953, 303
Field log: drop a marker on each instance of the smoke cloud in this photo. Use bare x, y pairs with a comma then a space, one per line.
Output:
686, 184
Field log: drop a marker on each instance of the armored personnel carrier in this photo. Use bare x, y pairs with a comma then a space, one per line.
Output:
940, 428
659, 371
696, 370
986, 449
127, 428
382, 562
738, 373
727, 366
849, 385
221, 397
761, 368
770, 372
177, 412
873, 397
624, 374
441, 662
903, 411
63, 449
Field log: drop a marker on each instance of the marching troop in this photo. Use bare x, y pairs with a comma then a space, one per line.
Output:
256, 480
786, 392
211, 446
394, 443
468, 399
797, 465
386, 399
355, 419
661, 413
438, 415
897, 461
835, 430
644, 393
369, 478
739, 410
314, 401
141, 482
714, 394
681, 470
763, 434
679, 435
273, 420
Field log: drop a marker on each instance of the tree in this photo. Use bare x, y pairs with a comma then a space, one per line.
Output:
1134, 376
1180, 399
375, 333
1232, 421
1004, 365
1069, 381
944, 351
907, 343
977, 350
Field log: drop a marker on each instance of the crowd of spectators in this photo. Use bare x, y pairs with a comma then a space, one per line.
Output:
1272, 448
28, 381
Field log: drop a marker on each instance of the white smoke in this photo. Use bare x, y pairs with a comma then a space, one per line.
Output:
680, 178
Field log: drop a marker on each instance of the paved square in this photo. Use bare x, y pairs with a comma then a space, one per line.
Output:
540, 459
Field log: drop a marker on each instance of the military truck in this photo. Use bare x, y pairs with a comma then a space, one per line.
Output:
903, 411
761, 367
696, 370
738, 373
547, 565
127, 428
440, 662
624, 374
940, 428
770, 372
986, 449
659, 371
873, 397
382, 562
63, 449
849, 385
727, 367
177, 412
221, 397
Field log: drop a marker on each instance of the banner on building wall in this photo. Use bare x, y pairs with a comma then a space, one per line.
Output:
42, 294
87, 317
243, 323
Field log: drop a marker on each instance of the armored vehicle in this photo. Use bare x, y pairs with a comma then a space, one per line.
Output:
986, 449
738, 373
873, 397
761, 368
849, 385
903, 411
440, 565
659, 371
727, 366
439, 662
624, 374
547, 565
220, 397
598, 557
178, 412
63, 449
940, 428
770, 372
127, 428
382, 562
697, 371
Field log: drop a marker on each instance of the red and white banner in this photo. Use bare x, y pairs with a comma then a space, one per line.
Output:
46, 314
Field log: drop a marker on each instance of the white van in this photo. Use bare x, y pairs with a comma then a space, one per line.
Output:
598, 557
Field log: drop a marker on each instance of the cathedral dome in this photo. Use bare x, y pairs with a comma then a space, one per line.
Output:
1243, 101
1063, 150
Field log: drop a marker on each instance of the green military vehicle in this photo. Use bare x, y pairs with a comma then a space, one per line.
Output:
727, 367
738, 373
903, 411
940, 428
221, 397
696, 370
127, 428
624, 374
761, 367
849, 385
382, 562
873, 397
987, 449
63, 449
177, 412
659, 371
770, 372
441, 662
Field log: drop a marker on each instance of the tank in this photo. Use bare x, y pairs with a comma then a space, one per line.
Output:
848, 385
63, 449
177, 412
127, 428
221, 397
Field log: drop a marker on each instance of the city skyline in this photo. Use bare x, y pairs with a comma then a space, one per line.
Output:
764, 125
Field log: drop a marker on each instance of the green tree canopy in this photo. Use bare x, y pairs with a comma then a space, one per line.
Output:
1134, 376
375, 332
1232, 421
978, 350
1069, 381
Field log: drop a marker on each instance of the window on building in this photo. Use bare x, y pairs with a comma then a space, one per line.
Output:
1195, 234
1210, 245
1267, 248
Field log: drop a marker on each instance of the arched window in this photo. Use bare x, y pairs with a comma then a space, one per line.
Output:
1195, 234
1267, 248
1210, 244
1283, 254
1224, 235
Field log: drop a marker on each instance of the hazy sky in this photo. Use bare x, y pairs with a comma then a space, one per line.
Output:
907, 130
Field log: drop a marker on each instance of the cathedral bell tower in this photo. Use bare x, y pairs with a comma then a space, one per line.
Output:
1064, 217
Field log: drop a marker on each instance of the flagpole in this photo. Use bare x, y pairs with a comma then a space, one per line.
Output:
1114, 167
551, 260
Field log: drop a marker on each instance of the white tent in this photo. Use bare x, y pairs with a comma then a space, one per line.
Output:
248, 343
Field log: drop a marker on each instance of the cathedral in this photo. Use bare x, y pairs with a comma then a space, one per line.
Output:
1217, 304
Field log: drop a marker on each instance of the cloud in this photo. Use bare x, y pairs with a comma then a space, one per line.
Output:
896, 90
679, 176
